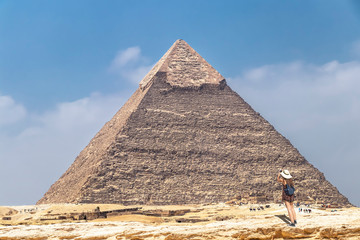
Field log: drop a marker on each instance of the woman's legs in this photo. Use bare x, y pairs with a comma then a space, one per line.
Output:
290, 209
293, 211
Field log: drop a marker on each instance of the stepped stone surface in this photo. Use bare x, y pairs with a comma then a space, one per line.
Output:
184, 67
186, 137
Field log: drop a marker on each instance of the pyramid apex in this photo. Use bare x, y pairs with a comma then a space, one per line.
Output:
184, 67
179, 40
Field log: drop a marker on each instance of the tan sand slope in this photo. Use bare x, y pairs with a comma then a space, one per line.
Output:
7, 211
219, 221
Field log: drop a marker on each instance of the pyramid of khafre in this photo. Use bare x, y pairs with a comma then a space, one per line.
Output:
185, 137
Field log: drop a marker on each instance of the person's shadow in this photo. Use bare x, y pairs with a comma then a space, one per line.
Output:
284, 218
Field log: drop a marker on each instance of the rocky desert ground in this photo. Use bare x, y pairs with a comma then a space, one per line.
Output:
216, 221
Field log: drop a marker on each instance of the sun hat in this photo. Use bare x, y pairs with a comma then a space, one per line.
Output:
286, 174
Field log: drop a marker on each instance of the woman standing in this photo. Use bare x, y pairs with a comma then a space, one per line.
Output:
285, 179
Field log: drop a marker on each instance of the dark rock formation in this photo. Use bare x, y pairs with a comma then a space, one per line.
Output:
186, 137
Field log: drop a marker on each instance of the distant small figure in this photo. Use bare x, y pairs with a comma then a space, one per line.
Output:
288, 195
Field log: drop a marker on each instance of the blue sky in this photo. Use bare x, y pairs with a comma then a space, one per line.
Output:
295, 62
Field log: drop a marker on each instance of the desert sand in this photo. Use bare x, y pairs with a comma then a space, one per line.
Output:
217, 221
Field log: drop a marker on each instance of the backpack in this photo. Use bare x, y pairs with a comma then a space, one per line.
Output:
289, 190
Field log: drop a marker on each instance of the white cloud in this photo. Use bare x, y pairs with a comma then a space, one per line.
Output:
129, 55
10, 111
317, 107
48, 143
306, 96
135, 75
130, 64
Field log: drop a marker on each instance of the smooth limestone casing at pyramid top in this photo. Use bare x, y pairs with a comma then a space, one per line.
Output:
185, 137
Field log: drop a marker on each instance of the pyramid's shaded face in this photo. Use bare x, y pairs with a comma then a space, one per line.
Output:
185, 137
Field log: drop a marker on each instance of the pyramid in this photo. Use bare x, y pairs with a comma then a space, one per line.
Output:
185, 137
